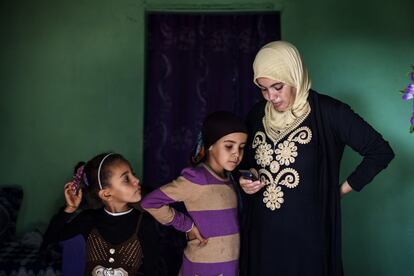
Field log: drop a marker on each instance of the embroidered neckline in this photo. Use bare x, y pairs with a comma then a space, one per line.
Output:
118, 214
276, 162
275, 137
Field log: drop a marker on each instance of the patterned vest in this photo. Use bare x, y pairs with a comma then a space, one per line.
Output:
107, 259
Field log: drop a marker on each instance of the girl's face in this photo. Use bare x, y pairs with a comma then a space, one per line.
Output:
124, 186
227, 152
281, 95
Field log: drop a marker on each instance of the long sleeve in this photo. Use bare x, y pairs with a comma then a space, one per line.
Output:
364, 139
157, 204
150, 240
64, 226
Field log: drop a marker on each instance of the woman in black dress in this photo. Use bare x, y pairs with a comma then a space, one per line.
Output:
292, 224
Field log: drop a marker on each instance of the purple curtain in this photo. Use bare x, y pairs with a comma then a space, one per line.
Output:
196, 64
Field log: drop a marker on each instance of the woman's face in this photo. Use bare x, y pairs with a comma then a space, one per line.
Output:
281, 95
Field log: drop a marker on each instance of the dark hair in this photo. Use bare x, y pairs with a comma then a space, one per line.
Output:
216, 125
90, 175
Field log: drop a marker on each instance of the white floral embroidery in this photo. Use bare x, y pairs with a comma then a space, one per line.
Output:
103, 271
259, 138
271, 160
290, 180
286, 153
302, 135
264, 154
266, 177
273, 197
274, 166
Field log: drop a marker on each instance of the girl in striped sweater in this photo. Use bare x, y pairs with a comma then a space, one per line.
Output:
210, 198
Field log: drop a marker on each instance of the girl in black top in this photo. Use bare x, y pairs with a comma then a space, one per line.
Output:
120, 240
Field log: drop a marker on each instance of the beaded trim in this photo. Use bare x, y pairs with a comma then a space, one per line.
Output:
276, 136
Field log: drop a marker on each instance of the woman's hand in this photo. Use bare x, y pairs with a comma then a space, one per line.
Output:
345, 188
250, 187
72, 198
194, 234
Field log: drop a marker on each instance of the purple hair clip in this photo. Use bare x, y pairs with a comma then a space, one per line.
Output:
408, 94
77, 178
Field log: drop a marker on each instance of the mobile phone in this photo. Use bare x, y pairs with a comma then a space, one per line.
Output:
248, 175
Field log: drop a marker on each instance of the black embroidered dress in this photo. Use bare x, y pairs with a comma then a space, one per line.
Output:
292, 226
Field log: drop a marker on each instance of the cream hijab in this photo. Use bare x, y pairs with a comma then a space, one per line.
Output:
280, 60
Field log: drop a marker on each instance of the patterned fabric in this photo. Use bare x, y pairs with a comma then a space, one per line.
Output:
275, 157
10, 201
21, 258
121, 259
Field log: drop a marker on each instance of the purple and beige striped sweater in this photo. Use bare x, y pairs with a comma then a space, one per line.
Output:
212, 206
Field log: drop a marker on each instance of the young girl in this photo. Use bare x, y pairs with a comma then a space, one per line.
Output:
209, 196
117, 236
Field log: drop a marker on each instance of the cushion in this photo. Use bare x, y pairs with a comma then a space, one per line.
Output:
10, 202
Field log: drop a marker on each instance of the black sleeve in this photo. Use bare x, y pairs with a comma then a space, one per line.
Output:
64, 226
150, 240
364, 139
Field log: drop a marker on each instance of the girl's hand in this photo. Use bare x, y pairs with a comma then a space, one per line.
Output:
250, 187
194, 234
72, 199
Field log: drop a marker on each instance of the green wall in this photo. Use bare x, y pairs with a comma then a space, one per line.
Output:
71, 87
72, 80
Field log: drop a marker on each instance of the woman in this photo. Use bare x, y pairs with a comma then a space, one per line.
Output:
296, 140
